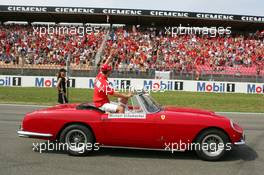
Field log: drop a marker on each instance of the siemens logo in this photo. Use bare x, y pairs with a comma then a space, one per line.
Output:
253, 88
10, 81
51, 82
215, 87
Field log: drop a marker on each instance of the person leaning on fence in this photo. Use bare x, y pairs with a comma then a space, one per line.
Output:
61, 86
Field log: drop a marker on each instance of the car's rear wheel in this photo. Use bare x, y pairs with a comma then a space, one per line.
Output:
211, 145
78, 140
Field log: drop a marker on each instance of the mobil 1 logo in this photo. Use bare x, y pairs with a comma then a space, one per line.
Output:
215, 87
178, 85
10, 81
16, 81
230, 87
125, 84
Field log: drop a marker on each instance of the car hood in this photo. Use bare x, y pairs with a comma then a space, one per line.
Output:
188, 110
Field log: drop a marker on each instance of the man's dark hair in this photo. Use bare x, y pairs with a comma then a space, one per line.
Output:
62, 70
59, 73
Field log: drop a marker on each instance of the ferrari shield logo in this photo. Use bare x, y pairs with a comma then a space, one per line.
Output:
163, 117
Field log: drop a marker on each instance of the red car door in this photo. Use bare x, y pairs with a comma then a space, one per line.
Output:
130, 130
174, 130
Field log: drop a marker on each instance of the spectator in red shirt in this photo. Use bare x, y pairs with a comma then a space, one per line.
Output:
102, 89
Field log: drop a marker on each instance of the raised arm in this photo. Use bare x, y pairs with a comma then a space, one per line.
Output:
110, 57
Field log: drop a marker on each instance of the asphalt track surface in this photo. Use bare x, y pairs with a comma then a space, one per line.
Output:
17, 157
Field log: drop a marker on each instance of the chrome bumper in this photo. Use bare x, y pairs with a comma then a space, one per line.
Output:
32, 134
242, 141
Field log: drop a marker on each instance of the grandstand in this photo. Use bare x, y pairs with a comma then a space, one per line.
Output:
141, 44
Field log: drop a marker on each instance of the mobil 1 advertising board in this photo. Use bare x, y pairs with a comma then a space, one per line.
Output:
153, 85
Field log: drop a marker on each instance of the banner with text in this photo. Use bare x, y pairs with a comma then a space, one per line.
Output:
155, 85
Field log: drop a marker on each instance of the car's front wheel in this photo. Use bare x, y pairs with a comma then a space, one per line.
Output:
78, 140
211, 145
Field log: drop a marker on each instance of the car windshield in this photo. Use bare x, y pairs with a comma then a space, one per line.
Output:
150, 104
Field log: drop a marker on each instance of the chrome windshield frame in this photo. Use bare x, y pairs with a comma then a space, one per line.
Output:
142, 104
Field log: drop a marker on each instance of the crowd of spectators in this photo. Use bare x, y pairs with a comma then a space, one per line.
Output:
20, 44
152, 49
135, 49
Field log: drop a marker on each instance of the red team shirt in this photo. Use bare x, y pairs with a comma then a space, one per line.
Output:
101, 90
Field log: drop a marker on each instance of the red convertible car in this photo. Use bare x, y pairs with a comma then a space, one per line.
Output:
144, 125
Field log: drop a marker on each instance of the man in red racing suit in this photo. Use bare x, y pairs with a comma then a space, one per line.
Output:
102, 89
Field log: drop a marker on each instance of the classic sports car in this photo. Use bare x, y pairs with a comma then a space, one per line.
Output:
144, 125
